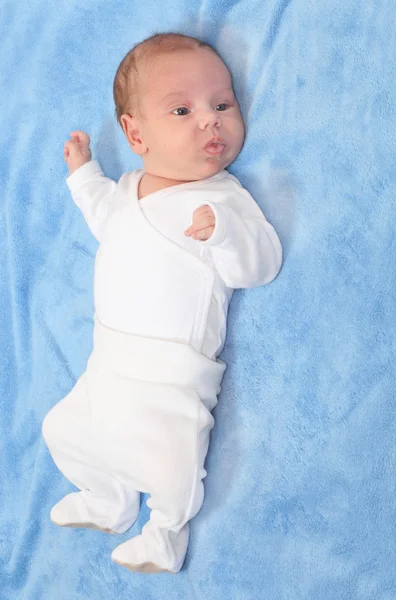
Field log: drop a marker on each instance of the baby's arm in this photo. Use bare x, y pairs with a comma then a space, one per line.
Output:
90, 189
77, 151
244, 247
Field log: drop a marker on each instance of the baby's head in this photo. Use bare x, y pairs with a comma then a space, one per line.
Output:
175, 103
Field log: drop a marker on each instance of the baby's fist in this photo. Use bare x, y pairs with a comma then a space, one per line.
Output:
203, 224
76, 151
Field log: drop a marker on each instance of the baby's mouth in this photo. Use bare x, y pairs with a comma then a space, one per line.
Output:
215, 146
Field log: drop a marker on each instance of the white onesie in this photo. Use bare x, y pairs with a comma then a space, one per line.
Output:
138, 420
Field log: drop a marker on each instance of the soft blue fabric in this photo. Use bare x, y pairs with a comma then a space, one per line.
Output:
300, 496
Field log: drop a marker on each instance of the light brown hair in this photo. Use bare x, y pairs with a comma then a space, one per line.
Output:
126, 81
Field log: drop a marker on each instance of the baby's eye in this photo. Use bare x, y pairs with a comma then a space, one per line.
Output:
181, 112
222, 106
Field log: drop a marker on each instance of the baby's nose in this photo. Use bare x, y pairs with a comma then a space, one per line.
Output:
210, 118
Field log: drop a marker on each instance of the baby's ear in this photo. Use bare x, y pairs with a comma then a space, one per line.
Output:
131, 128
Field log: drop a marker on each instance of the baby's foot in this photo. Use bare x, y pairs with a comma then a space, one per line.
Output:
133, 555
80, 510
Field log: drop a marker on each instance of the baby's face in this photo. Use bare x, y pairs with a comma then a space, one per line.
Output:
191, 123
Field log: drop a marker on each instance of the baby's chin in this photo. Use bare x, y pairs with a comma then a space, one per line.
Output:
208, 168
193, 172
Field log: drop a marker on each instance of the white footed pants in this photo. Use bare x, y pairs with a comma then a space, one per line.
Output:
138, 420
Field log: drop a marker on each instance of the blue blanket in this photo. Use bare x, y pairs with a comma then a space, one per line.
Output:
300, 494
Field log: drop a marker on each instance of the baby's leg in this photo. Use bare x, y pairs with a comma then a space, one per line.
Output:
173, 477
106, 502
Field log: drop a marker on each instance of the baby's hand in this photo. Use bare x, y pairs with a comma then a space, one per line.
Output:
76, 151
203, 224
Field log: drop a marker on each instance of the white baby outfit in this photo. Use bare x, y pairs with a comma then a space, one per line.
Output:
139, 418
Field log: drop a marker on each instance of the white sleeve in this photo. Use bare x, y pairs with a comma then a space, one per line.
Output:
92, 192
244, 247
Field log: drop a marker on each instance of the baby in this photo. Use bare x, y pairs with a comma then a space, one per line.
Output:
176, 238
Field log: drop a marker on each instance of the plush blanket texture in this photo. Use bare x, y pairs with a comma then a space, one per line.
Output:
301, 487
